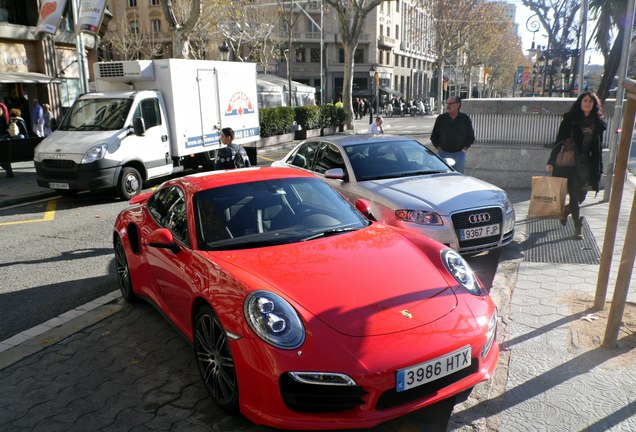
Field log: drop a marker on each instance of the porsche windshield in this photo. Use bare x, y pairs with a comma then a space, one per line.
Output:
97, 115
272, 212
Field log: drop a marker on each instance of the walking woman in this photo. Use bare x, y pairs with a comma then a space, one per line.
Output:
583, 126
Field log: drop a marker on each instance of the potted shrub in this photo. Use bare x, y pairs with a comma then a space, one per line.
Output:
276, 125
328, 120
308, 119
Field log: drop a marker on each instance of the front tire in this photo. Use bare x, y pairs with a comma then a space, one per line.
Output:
123, 272
130, 183
214, 359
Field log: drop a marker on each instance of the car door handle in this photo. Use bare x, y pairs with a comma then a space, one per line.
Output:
164, 138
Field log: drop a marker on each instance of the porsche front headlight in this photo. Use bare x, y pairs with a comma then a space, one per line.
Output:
461, 271
274, 320
94, 154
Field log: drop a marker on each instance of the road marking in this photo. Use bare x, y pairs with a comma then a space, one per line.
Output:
49, 215
267, 159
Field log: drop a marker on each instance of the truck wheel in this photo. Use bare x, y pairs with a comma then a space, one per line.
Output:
130, 183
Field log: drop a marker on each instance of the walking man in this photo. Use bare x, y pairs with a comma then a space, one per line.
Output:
453, 133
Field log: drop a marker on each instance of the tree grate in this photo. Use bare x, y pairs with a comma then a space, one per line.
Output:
550, 242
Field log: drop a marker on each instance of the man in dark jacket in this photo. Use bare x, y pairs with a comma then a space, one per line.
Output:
453, 133
232, 155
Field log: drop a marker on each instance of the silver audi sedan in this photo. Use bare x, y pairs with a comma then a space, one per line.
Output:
409, 186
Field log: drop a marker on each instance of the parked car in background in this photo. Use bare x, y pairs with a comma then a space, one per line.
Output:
304, 314
409, 186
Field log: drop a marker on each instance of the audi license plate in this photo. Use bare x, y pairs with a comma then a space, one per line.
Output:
479, 232
58, 185
433, 369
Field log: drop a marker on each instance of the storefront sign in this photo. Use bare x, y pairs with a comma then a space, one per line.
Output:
14, 58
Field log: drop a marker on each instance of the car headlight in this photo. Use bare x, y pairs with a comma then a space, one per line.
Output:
508, 208
461, 271
421, 217
274, 320
95, 154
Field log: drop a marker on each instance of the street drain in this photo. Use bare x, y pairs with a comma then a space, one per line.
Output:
550, 242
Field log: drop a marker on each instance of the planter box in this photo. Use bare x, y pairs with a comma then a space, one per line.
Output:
329, 131
306, 133
275, 140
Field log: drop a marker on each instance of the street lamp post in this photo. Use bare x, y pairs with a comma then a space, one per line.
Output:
224, 51
372, 73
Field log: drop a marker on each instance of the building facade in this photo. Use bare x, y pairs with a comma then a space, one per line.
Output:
43, 67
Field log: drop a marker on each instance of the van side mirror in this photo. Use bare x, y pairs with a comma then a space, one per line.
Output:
139, 127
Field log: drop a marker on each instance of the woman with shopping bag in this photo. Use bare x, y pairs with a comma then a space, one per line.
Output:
576, 155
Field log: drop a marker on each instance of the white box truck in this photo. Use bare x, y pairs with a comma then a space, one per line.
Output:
147, 119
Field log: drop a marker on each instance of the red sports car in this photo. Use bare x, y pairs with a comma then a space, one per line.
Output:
303, 313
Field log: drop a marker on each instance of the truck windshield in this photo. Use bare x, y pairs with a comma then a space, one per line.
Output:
97, 114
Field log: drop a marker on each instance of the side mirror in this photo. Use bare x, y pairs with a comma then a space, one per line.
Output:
335, 173
162, 239
139, 127
364, 207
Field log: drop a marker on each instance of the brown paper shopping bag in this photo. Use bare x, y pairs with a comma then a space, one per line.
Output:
547, 199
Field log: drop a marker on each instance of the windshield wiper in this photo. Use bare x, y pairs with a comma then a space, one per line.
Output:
334, 231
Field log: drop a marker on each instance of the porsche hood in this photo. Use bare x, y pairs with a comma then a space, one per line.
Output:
369, 282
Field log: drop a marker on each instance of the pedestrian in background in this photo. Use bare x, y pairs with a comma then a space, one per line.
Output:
453, 133
583, 126
376, 127
37, 119
15, 116
48, 116
231, 155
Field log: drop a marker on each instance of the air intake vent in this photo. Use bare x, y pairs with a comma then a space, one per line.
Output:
125, 71
111, 69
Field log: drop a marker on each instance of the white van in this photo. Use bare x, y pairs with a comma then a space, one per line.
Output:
147, 119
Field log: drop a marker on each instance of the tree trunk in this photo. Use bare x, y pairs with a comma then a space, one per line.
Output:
440, 88
347, 82
612, 62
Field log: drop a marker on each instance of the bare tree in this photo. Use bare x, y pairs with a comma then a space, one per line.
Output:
351, 17
558, 20
249, 31
181, 32
455, 22
496, 46
128, 43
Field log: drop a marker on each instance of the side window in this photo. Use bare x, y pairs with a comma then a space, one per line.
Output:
168, 208
329, 157
304, 156
148, 109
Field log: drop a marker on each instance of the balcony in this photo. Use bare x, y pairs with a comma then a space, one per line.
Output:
387, 42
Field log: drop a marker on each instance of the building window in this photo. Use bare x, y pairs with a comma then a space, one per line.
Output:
380, 57
132, 3
156, 25
154, 2
358, 56
397, 5
397, 31
315, 55
381, 30
301, 56
134, 27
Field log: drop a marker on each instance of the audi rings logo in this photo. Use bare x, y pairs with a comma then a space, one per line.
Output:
479, 218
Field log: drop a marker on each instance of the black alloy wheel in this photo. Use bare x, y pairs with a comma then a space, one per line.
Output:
123, 272
214, 359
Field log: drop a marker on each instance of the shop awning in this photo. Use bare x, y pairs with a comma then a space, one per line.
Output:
27, 78
390, 91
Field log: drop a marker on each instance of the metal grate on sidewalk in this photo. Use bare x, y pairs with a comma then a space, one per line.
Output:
550, 242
